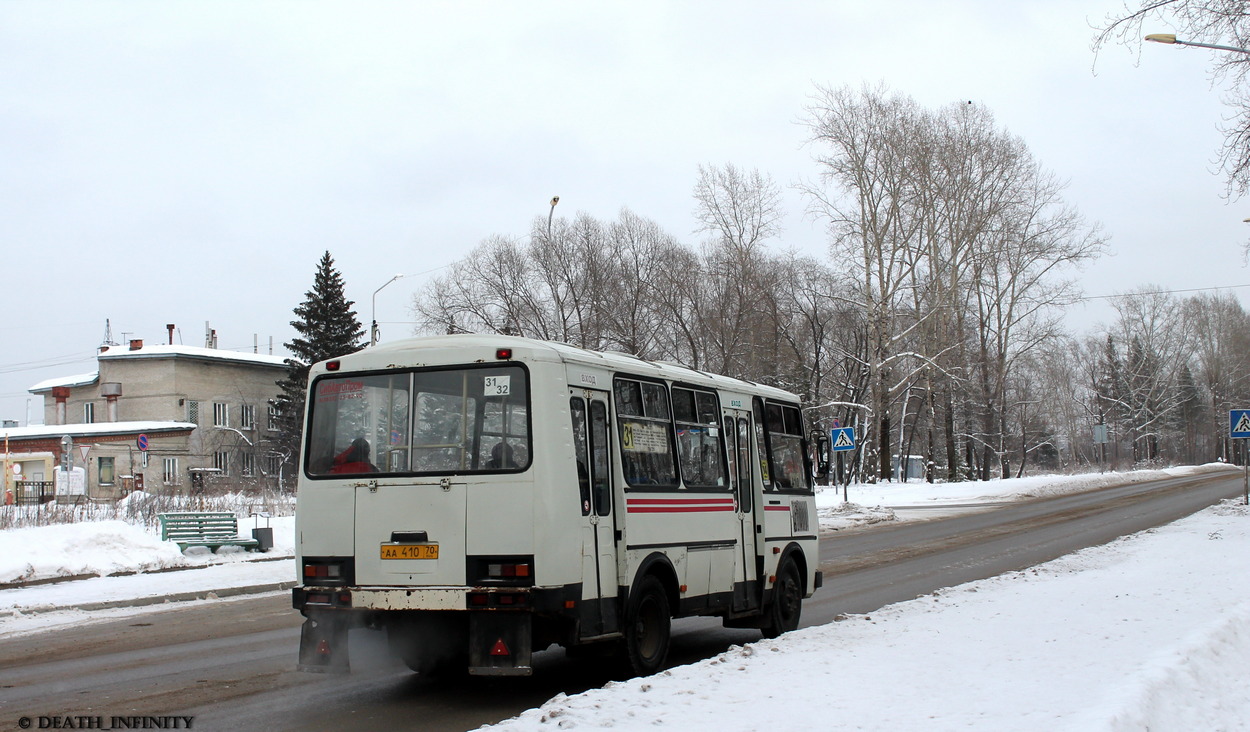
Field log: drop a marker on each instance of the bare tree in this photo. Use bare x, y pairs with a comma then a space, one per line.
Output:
865, 137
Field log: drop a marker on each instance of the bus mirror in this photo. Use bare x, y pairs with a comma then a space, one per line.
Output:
822, 456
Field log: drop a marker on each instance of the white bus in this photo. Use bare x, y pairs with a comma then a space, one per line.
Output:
480, 498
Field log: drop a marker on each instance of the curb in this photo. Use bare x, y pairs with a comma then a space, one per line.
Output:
154, 600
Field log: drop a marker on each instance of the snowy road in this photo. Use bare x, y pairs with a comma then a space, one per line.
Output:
229, 662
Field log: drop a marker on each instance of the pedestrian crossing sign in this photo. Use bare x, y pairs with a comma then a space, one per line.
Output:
1239, 423
843, 438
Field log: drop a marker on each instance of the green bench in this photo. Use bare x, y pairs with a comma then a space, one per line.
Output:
213, 529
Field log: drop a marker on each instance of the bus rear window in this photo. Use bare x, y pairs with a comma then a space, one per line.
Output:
462, 420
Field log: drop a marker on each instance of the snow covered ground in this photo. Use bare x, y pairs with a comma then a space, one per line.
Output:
135, 569
1148, 632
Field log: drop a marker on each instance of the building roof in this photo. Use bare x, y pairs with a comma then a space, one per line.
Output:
77, 380
192, 352
161, 351
94, 429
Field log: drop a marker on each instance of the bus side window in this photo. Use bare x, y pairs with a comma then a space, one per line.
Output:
646, 433
761, 444
599, 457
577, 408
786, 451
699, 450
744, 462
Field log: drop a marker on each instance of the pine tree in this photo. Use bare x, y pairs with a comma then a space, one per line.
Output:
327, 328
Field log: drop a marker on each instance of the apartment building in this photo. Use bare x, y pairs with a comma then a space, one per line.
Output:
157, 417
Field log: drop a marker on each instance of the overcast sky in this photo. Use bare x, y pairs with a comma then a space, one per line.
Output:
189, 162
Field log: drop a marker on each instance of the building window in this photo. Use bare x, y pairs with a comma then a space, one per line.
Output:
247, 417
193, 412
106, 470
270, 464
221, 461
88, 413
247, 464
169, 471
221, 414
272, 426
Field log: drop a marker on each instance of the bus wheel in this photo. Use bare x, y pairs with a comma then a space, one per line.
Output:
647, 628
783, 614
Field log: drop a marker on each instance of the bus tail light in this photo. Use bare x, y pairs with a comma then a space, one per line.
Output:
321, 571
516, 570
507, 571
503, 354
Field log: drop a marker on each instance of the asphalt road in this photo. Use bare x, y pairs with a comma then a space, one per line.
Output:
230, 664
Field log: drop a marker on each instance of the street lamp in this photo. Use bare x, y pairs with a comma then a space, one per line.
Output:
373, 332
237, 432
552, 212
1171, 39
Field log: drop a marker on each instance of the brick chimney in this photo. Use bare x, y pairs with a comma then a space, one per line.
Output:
136, 344
61, 394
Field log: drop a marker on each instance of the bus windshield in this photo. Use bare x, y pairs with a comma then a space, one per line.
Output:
446, 421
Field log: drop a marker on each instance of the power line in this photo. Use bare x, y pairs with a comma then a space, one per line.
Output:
1159, 292
13, 368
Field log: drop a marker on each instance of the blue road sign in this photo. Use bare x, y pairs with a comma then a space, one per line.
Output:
843, 438
1239, 423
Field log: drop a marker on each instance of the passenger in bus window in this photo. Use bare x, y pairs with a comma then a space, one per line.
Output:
355, 459
501, 457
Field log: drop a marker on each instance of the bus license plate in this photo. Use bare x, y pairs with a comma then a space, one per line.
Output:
410, 551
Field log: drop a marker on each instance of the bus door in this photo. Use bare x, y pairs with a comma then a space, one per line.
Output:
589, 410
737, 426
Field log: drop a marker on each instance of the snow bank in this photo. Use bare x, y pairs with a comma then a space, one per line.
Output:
1143, 633
110, 547
97, 547
870, 503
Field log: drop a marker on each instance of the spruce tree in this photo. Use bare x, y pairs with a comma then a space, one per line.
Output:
327, 328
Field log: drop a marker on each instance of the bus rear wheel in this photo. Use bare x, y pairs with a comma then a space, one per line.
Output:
648, 626
783, 614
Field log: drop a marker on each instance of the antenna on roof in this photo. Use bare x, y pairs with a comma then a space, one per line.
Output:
108, 334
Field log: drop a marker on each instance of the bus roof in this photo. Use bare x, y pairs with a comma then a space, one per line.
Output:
468, 348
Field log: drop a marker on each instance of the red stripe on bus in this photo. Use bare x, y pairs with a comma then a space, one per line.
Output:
675, 501
776, 508
676, 509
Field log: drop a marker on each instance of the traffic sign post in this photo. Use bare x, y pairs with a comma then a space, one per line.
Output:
842, 439
67, 458
1239, 429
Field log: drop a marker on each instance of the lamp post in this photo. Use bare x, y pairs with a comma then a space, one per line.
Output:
552, 212
373, 331
1171, 40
